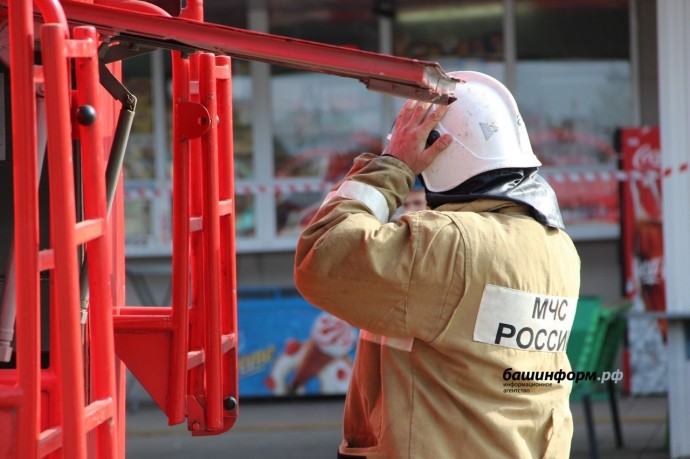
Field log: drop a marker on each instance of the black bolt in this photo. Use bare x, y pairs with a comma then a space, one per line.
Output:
86, 115
230, 403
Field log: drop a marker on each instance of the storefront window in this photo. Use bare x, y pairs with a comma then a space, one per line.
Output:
574, 91
242, 119
245, 215
139, 161
294, 211
335, 23
138, 225
139, 167
572, 109
320, 122
464, 29
572, 29
466, 35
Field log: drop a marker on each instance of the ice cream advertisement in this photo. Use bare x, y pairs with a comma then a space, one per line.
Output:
289, 348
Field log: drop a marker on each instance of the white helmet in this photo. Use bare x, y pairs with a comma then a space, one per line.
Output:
488, 133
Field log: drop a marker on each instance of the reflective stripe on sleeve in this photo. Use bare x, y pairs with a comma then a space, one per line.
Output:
366, 194
396, 342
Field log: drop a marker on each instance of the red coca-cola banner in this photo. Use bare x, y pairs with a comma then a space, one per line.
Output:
641, 217
643, 259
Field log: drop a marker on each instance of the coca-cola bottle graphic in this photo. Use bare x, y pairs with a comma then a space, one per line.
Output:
645, 188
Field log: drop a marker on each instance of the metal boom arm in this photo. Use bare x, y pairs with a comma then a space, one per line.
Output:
410, 78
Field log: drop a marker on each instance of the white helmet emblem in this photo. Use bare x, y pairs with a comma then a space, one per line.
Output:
488, 130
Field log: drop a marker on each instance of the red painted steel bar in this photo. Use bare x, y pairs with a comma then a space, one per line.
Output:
63, 219
116, 227
410, 78
196, 318
134, 5
228, 292
50, 441
225, 180
98, 250
95, 414
11, 396
142, 323
53, 13
87, 230
46, 260
52, 402
156, 311
194, 9
211, 248
180, 255
21, 31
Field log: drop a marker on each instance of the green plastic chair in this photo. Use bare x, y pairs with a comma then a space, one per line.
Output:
586, 308
598, 355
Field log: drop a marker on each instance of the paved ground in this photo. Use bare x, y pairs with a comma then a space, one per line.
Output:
643, 425
310, 429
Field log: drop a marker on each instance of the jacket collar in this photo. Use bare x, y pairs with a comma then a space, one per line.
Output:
521, 186
485, 205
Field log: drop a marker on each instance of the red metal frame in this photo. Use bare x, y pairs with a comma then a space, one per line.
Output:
27, 392
180, 257
98, 250
64, 277
211, 244
190, 363
199, 335
60, 418
228, 280
412, 78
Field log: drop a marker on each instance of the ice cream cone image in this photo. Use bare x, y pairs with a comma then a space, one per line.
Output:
286, 362
330, 339
313, 362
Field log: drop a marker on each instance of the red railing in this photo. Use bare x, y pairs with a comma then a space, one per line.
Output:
98, 251
53, 410
193, 342
26, 394
203, 140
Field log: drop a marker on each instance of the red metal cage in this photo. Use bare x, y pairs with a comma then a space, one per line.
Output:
64, 396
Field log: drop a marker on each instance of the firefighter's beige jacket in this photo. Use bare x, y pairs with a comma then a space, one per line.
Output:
450, 303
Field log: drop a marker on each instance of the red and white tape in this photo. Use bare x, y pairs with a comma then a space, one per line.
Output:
617, 175
140, 194
287, 188
136, 194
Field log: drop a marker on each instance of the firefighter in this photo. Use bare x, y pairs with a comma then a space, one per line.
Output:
465, 309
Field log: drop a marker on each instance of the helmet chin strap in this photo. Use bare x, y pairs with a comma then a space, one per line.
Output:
524, 186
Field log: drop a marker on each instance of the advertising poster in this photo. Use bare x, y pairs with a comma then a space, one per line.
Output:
643, 258
289, 348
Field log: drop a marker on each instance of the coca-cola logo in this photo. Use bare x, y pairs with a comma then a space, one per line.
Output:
646, 158
650, 271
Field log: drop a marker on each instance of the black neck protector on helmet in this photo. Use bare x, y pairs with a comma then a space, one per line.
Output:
523, 186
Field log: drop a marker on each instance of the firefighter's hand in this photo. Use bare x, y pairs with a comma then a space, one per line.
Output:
410, 132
